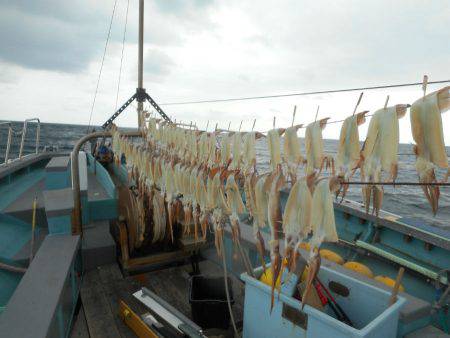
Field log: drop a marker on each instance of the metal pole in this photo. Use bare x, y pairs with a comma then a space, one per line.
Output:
141, 60
8, 144
22, 141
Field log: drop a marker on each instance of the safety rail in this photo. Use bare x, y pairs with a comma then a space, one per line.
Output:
23, 134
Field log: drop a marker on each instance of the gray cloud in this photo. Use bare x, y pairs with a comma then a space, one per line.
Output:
66, 36
157, 64
181, 7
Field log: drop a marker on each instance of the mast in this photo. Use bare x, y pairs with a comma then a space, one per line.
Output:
140, 108
140, 96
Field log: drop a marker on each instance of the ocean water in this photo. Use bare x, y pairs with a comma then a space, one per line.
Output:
406, 201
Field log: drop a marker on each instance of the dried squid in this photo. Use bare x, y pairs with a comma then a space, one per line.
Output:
236, 151
248, 153
322, 224
380, 153
292, 155
297, 218
275, 223
349, 154
315, 157
235, 204
218, 202
426, 123
273, 142
260, 215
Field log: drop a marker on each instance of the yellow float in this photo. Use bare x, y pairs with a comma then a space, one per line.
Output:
359, 268
331, 256
389, 282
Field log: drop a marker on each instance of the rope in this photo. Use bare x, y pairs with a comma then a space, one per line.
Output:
227, 292
246, 98
121, 57
101, 66
439, 184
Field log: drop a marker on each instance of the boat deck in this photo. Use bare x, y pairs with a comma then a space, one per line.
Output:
104, 287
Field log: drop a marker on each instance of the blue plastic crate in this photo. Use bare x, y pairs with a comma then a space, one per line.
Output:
366, 306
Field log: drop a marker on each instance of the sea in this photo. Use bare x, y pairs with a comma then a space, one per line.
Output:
405, 201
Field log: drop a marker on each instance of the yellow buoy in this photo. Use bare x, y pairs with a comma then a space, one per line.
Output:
304, 274
331, 256
359, 268
305, 246
266, 278
389, 282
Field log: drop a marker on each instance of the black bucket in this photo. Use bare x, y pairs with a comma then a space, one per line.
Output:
209, 301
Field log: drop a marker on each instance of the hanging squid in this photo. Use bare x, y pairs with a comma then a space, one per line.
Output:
275, 224
273, 142
315, 156
219, 203
426, 123
379, 153
349, 154
235, 204
323, 226
292, 154
297, 218
260, 214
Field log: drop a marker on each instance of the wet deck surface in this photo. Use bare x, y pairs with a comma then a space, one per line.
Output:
105, 286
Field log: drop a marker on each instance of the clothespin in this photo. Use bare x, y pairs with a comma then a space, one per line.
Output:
293, 115
229, 125
274, 118
357, 103
386, 102
207, 125
317, 113
254, 122
215, 128
424, 84
240, 126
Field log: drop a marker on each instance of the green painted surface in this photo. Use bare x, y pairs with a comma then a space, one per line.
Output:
19, 184
13, 235
8, 283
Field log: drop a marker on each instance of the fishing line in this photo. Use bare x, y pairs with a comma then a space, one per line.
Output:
102, 63
246, 98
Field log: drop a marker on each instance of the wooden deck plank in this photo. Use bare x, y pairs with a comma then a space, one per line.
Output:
117, 288
97, 308
104, 287
80, 327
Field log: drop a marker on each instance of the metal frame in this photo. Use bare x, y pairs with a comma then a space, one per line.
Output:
140, 96
23, 134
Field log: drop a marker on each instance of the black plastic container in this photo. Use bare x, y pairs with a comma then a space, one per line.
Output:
209, 301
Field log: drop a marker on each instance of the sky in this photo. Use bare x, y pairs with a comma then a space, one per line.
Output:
51, 51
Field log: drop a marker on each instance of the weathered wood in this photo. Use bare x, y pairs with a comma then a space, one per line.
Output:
97, 307
80, 328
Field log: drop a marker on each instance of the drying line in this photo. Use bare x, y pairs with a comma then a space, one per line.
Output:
438, 184
247, 98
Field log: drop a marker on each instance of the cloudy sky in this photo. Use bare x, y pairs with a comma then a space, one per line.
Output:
51, 50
